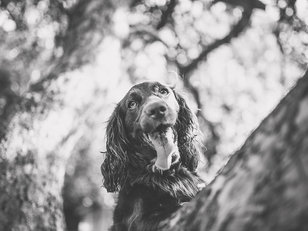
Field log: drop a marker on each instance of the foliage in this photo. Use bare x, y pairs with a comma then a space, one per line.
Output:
234, 60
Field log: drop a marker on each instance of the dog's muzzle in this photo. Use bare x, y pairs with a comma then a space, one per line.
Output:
156, 116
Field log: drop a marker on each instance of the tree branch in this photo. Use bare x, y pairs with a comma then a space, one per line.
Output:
86, 28
264, 185
186, 71
146, 31
235, 31
166, 14
213, 138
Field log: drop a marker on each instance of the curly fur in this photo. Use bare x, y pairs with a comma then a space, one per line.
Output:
147, 197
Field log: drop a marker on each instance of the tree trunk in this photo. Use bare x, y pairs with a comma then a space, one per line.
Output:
39, 129
264, 186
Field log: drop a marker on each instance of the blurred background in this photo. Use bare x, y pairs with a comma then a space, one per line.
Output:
68, 62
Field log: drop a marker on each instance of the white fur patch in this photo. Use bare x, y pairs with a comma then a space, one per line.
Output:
165, 146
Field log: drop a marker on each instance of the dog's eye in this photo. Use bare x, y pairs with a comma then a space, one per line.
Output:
132, 104
164, 91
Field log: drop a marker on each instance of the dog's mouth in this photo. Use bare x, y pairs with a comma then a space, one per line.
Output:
163, 138
161, 129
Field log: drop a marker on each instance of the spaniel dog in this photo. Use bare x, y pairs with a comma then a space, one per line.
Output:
151, 156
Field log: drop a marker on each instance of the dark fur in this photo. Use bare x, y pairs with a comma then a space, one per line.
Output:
147, 197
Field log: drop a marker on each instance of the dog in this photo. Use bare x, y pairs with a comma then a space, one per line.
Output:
151, 156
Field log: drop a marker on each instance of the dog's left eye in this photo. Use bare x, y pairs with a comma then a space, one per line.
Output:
132, 104
164, 91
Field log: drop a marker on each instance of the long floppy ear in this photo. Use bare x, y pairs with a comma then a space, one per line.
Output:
188, 131
114, 167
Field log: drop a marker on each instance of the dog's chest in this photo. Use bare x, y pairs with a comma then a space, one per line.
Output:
141, 207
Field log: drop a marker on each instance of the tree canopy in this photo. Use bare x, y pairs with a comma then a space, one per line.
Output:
65, 63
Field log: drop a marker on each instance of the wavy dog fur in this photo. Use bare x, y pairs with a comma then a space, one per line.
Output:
147, 197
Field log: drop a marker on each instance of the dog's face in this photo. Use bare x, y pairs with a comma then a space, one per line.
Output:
151, 112
151, 119
150, 108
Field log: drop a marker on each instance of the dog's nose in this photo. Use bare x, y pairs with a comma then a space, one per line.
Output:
156, 110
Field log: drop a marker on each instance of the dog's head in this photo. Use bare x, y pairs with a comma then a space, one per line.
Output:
152, 124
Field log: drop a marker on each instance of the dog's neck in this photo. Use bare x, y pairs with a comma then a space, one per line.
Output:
165, 173
178, 182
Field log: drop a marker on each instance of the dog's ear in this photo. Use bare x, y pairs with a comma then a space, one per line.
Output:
114, 167
188, 131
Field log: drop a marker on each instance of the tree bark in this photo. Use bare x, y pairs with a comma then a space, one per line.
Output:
264, 185
39, 129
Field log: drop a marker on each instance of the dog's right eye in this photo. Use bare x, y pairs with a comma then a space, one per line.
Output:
132, 104
164, 91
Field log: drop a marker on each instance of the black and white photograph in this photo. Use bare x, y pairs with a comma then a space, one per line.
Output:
153, 115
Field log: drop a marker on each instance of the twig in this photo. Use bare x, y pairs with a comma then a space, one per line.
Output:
235, 31
166, 14
211, 143
147, 31
186, 71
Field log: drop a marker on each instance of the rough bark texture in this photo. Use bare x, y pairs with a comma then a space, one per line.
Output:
39, 129
264, 184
